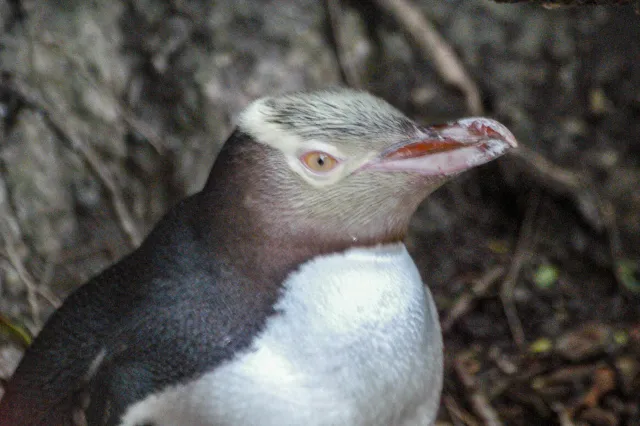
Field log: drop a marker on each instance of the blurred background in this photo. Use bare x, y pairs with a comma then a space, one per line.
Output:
110, 112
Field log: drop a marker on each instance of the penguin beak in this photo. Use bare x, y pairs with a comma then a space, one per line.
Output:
447, 149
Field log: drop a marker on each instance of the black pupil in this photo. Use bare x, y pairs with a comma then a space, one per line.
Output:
321, 160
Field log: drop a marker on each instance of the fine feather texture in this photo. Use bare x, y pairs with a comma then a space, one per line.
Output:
158, 317
356, 341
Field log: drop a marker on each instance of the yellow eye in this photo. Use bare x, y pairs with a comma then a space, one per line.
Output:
319, 162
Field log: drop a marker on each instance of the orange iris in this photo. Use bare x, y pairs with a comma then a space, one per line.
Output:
319, 162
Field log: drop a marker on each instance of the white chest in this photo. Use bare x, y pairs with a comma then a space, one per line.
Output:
356, 342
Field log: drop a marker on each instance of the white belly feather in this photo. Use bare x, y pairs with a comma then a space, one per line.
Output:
356, 342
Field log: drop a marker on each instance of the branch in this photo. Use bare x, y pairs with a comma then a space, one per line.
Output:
347, 69
465, 302
479, 401
410, 18
521, 255
15, 260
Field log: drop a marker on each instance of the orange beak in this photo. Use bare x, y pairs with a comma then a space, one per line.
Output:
447, 149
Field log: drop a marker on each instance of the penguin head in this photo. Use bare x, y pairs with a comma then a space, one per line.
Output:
347, 164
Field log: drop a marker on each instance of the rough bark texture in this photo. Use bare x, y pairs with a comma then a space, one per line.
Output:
112, 111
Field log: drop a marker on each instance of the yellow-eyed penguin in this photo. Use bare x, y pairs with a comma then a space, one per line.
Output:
281, 294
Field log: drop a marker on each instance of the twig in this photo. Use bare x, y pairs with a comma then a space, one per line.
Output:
564, 414
62, 126
125, 218
15, 260
507, 382
479, 401
347, 69
565, 182
16, 263
548, 170
613, 238
33, 289
598, 212
465, 302
521, 255
12, 256
457, 413
411, 19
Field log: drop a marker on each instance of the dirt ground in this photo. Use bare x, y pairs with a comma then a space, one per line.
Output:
110, 112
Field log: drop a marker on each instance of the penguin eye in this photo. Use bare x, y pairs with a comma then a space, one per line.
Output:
319, 162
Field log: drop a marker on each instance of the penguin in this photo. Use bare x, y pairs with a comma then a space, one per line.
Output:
280, 294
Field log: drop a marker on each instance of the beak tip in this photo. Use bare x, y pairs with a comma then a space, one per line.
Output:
444, 150
489, 128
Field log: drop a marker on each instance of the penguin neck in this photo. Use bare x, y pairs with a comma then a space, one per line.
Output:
261, 243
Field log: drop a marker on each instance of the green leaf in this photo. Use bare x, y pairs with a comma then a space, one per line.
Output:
628, 274
546, 275
621, 337
16, 331
498, 246
541, 346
